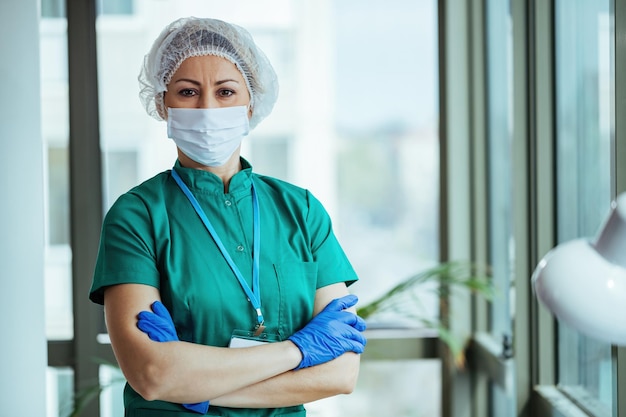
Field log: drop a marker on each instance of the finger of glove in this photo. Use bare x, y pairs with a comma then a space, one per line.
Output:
161, 311
322, 346
156, 321
154, 331
327, 349
356, 337
346, 317
342, 332
360, 324
349, 341
201, 408
342, 303
356, 346
156, 327
330, 323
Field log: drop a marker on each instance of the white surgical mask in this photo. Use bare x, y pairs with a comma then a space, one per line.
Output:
208, 136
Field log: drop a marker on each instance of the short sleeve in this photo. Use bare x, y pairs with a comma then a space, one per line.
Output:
333, 264
126, 253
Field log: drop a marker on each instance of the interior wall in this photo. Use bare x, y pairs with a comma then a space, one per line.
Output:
23, 350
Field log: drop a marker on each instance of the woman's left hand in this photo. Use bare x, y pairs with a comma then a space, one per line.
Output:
157, 324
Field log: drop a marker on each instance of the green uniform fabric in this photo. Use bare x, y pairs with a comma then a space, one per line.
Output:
153, 236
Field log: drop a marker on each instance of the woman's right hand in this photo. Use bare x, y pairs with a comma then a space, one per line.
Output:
331, 333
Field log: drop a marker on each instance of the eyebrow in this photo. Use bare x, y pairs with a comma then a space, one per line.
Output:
226, 81
220, 82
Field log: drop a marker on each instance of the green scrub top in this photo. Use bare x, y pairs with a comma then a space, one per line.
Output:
153, 236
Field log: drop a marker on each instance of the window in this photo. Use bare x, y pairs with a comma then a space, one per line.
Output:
53, 8
583, 59
115, 7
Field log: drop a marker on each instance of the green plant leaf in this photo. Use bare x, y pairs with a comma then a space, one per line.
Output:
404, 298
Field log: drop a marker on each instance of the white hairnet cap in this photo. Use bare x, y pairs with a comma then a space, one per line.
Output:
192, 36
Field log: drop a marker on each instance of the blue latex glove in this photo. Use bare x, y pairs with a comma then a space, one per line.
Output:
331, 333
159, 326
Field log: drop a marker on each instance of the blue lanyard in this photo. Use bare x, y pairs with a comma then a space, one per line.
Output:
254, 294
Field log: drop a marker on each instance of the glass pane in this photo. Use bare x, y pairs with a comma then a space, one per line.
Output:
116, 7
112, 395
55, 129
583, 53
371, 157
500, 199
52, 8
386, 179
499, 136
60, 392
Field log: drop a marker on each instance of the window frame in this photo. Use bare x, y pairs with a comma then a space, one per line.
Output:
619, 152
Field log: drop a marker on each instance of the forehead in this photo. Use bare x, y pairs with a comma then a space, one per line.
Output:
211, 66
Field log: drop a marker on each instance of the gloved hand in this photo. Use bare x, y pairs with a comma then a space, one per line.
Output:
159, 326
331, 333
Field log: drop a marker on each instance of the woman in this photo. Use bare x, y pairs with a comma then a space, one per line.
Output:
248, 266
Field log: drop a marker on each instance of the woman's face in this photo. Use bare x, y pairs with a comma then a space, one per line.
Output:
204, 82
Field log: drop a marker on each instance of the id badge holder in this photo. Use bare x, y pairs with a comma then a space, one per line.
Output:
247, 338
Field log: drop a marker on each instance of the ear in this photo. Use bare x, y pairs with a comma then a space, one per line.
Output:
160, 105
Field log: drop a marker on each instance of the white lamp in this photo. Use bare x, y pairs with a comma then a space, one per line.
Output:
583, 282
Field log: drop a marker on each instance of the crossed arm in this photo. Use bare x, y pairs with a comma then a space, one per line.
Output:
182, 372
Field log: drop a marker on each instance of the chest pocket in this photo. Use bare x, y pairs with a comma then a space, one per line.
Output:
297, 282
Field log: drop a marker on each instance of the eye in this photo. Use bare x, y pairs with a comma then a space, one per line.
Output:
188, 92
224, 92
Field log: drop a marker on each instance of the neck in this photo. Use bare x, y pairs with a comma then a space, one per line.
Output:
225, 172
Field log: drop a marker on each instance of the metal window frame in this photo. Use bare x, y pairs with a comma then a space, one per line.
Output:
619, 144
455, 95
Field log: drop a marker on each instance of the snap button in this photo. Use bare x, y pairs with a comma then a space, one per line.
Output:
240, 248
